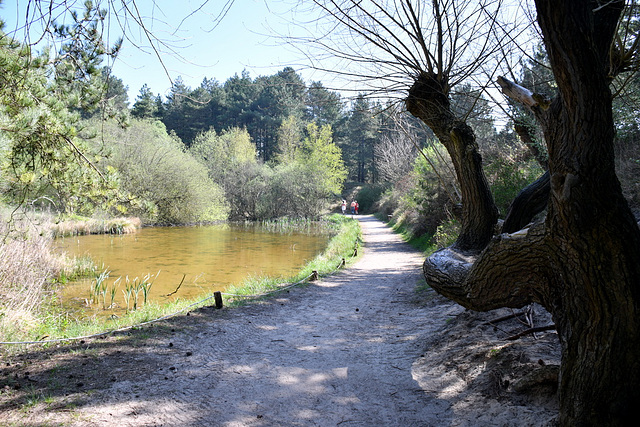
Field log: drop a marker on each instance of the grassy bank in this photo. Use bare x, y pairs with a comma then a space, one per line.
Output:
444, 236
342, 246
49, 322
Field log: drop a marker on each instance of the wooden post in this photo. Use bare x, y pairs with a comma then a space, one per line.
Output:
218, 298
314, 276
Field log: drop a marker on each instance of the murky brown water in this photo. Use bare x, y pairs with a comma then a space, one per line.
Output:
209, 258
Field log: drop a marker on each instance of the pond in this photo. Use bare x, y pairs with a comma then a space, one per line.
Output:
184, 262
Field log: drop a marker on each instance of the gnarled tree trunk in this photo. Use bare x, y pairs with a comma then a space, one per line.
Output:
583, 262
597, 302
428, 100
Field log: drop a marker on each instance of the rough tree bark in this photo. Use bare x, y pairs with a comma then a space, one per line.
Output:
583, 262
598, 241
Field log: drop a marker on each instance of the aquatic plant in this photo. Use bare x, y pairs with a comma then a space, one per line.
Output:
99, 288
127, 291
134, 287
146, 285
114, 286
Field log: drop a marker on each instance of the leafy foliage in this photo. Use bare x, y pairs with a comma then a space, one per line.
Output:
225, 153
323, 159
165, 184
38, 134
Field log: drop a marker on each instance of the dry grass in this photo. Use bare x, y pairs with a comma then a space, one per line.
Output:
27, 262
76, 227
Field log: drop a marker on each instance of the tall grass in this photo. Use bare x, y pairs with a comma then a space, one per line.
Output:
80, 226
299, 225
27, 262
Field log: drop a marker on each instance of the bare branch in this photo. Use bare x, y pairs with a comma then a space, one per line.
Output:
385, 44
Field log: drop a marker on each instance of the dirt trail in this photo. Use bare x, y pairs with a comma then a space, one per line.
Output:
360, 348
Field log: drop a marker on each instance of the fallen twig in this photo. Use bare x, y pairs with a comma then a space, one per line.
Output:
531, 331
503, 318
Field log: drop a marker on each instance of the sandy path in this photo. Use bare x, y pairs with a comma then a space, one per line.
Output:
338, 352
354, 349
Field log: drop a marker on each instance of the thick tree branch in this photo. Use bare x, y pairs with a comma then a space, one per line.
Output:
528, 203
499, 276
534, 101
428, 100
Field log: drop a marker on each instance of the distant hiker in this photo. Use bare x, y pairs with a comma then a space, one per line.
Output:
344, 206
357, 207
353, 207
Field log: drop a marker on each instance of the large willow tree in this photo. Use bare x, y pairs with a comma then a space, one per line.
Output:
583, 261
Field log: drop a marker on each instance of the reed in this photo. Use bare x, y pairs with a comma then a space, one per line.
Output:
146, 284
112, 291
128, 292
81, 226
99, 288
136, 285
299, 225
133, 288
77, 267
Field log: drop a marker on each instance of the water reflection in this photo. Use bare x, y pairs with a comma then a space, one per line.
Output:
208, 257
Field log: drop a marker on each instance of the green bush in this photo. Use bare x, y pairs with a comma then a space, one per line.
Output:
508, 177
292, 190
447, 233
165, 183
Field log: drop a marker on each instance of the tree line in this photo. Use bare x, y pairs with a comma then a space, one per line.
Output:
248, 148
272, 109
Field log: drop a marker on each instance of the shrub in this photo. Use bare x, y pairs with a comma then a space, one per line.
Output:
166, 184
507, 177
292, 190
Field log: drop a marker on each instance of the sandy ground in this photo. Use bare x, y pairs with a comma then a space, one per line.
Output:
363, 347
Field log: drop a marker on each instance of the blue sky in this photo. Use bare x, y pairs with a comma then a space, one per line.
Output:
242, 39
